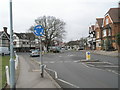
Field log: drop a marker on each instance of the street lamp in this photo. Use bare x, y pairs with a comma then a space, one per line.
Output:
12, 62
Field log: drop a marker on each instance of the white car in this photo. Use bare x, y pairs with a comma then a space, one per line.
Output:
34, 53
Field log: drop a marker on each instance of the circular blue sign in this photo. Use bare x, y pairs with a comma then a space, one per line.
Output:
38, 30
88, 53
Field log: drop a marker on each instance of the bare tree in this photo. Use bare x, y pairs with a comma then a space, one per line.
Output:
53, 28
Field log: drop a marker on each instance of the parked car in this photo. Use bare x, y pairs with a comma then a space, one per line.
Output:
55, 49
62, 49
35, 53
4, 51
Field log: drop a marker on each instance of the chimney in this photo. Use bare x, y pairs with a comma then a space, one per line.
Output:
5, 29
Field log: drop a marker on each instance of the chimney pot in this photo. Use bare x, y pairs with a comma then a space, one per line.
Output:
5, 29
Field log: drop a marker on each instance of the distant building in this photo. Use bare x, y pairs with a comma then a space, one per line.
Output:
73, 44
4, 38
92, 38
24, 41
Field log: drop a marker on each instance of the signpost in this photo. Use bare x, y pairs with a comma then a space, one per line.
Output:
39, 31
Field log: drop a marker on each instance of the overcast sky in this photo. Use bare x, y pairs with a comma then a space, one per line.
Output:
77, 14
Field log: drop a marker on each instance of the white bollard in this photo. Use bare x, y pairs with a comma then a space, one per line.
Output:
7, 75
16, 62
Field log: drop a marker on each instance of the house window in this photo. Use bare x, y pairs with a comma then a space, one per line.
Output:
109, 32
97, 34
14, 37
24, 42
107, 21
104, 33
14, 43
99, 45
113, 41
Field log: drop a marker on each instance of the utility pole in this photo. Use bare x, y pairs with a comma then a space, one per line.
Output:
12, 62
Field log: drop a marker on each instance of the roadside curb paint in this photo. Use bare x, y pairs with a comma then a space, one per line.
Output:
88, 55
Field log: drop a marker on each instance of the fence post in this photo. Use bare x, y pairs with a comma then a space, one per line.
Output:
7, 75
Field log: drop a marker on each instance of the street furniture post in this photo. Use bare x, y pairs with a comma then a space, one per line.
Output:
12, 62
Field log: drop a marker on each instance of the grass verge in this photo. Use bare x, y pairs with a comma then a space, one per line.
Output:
4, 62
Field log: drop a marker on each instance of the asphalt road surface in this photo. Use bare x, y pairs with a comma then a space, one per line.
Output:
69, 68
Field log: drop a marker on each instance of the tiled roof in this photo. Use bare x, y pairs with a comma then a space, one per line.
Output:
114, 14
73, 42
1, 32
30, 36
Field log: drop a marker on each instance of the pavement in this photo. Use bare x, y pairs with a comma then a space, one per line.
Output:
29, 76
101, 52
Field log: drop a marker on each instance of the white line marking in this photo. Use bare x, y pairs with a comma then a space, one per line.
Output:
68, 83
107, 66
56, 76
101, 69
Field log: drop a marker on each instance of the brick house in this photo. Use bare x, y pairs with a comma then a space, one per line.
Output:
98, 31
111, 26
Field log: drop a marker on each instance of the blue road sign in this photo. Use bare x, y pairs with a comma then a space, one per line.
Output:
88, 53
38, 30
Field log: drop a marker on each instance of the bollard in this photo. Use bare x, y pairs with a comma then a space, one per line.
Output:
42, 71
7, 75
88, 56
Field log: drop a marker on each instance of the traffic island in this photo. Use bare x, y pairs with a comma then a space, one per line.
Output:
89, 61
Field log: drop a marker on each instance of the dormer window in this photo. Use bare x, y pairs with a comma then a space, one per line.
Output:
109, 32
104, 33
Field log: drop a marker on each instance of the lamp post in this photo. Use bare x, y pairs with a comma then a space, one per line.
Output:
12, 62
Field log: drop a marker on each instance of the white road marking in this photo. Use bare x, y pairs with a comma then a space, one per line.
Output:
68, 83
61, 61
100, 62
60, 56
101, 69
107, 66
56, 77
70, 55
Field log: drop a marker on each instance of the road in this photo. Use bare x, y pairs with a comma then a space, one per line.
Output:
69, 69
